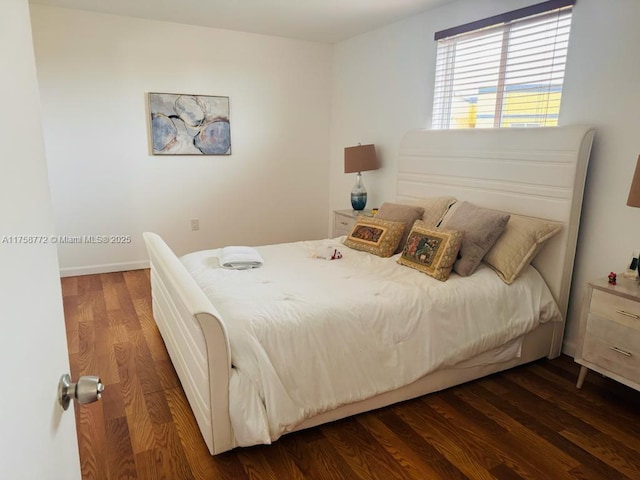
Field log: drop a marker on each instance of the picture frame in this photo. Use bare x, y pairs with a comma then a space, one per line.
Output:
632, 266
188, 124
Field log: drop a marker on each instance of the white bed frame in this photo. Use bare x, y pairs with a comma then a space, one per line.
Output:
536, 172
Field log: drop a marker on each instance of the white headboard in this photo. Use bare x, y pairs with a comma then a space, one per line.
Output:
539, 172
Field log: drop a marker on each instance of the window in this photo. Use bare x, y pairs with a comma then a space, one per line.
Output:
503, 71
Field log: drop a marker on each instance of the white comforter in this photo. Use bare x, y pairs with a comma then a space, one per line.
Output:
308, 335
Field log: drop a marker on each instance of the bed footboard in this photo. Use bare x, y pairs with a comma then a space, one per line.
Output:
196, 340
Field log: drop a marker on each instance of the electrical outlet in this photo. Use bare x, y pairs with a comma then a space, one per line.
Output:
195, 224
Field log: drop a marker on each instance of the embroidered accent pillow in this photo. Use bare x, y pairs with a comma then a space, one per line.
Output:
370, 234
396, 212
431, 250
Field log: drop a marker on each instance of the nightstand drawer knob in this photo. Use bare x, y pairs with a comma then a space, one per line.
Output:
619, 350
344, 223
627, 314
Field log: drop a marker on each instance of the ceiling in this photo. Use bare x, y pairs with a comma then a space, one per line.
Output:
327, 21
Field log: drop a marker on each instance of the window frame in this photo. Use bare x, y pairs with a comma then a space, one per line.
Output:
443, 93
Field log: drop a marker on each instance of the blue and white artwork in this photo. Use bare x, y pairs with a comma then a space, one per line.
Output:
189, 124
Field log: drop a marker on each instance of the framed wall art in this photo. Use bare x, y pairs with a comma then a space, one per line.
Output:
183, 124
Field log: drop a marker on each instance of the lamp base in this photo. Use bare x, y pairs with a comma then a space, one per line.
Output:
358, 202
358, 194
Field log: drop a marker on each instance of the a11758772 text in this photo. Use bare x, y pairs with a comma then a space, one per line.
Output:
64, 239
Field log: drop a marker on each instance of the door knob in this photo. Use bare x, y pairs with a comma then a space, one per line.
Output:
88, 390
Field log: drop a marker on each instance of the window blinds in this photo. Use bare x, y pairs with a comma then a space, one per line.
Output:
505, 71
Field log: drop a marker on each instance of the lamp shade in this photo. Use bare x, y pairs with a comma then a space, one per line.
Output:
634, 192
360, 159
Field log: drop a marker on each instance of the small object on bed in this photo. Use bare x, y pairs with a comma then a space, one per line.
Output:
240, 258
327, 252
612, 278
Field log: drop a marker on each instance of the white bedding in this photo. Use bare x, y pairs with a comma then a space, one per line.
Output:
308, 335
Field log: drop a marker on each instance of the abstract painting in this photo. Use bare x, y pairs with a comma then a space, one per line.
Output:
189, 124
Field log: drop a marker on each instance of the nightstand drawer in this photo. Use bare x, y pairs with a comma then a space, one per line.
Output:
613, 346
344, 220
610, 331
619, 309
342, 225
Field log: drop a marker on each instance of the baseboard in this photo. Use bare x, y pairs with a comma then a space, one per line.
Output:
107, 268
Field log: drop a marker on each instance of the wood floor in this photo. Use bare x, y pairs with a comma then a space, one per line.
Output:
530, 422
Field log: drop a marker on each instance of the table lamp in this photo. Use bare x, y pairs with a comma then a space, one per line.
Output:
633, 200
634, 192
359, 159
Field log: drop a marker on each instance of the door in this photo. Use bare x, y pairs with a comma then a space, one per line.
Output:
37, 438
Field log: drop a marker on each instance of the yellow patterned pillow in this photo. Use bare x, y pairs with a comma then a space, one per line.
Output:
431, 250
370, 234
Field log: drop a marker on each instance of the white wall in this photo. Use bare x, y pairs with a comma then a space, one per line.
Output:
603, 89
37, 440
383, 86
94, 72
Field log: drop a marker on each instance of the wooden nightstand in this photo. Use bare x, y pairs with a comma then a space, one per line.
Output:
610, 331
344, 220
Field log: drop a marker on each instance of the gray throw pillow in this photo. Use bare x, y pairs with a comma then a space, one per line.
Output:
481, 228
397, 212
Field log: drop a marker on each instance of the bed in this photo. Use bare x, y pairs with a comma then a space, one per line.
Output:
529, 172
